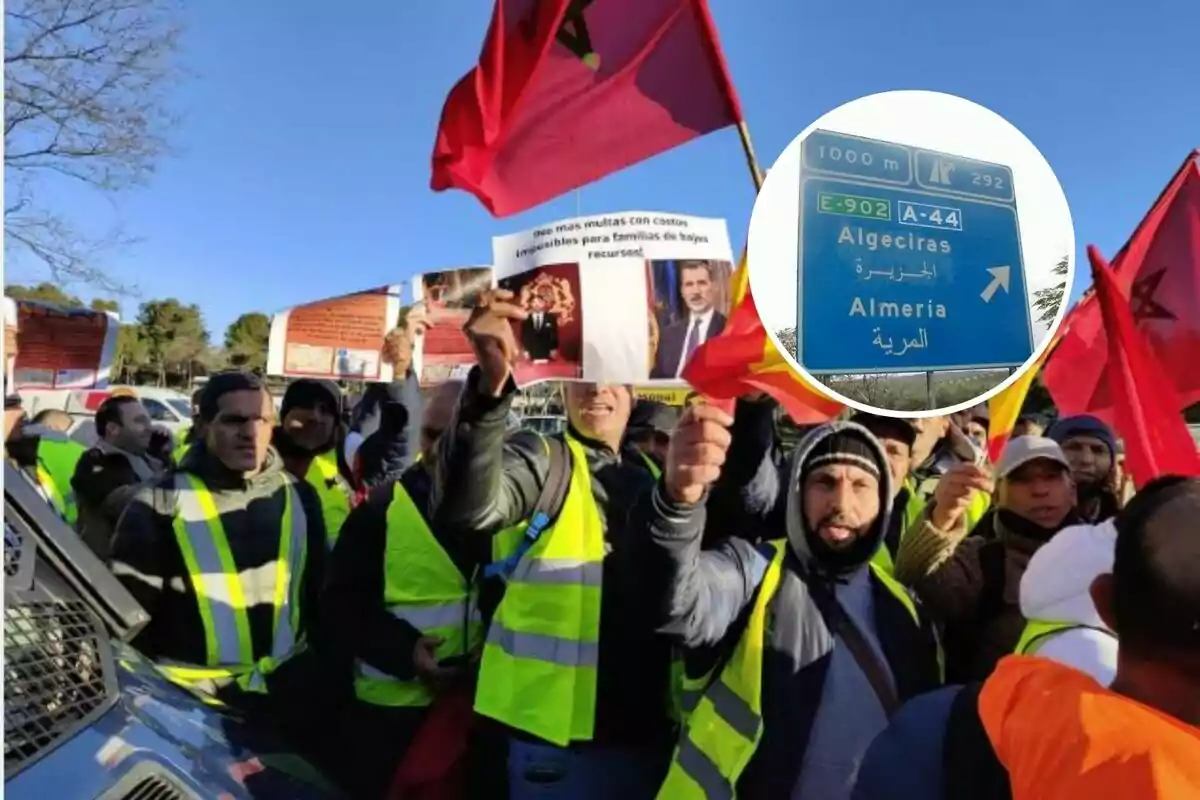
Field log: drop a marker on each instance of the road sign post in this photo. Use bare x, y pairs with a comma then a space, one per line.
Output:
909, 260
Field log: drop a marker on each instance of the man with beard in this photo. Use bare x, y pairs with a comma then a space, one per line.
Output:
807, 646
972, 584
572, 668
306, 440
680, 339
1091, 448
108, 474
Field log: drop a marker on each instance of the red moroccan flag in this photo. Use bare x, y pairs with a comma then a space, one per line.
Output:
568, 91
1159, 271
742, 360
1145, 404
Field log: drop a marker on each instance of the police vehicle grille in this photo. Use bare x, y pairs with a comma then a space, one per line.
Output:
58, 676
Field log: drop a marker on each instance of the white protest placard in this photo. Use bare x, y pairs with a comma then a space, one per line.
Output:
616, 298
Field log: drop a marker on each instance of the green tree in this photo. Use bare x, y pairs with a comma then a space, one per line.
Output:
175, 338
44, 292
100, 304
1048, 301
132, 353
86, 84
246, 341
787, 337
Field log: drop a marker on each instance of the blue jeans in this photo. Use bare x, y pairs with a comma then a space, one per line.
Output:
590, 772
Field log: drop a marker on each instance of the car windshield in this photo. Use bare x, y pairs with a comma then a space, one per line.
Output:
181, 407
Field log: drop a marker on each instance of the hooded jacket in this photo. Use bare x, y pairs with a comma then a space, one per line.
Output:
1055, 588
819, 710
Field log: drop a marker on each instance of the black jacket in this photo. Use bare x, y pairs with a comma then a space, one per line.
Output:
704, 595
353, 602
487, 481
147, 560
104, 483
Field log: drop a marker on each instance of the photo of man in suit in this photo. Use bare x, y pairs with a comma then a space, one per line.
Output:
679, 340
539, 331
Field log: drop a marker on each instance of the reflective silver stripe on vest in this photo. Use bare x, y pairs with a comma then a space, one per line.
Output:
212, 577
559, 571
428, 617
425, 618
284, 642
551, 649
689, 698
736, 712
703, 771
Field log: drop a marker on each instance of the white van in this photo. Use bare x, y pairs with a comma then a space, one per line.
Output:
167, 408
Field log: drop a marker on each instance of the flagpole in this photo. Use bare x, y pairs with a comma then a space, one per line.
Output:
756, 173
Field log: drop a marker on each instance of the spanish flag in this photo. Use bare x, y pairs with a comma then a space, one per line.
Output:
742, 359
1005, 407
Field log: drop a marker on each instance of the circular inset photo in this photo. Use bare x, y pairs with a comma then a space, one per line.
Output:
911, 252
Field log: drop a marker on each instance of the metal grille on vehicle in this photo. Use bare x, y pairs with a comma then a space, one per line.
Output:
55, 669
154, 787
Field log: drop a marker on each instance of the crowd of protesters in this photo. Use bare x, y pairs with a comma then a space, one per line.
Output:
656, 603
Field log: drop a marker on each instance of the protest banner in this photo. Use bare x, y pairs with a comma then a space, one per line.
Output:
443, 352
576, 278
62, 348
342, 338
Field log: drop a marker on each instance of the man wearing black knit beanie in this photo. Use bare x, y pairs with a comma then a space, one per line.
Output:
826, 640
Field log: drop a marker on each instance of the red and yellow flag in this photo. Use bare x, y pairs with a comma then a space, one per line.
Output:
742, 359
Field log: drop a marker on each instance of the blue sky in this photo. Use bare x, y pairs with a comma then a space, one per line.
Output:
303, 157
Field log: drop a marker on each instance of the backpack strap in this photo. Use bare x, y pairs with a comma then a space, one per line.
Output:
547, 508
970, 768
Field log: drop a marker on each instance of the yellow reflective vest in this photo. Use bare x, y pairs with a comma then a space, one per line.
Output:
324, 478
216, 582
726, 725
1038, 631
56, 462
913, 507
422, 586
538, 672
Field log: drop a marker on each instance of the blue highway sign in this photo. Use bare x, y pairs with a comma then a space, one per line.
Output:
909, 260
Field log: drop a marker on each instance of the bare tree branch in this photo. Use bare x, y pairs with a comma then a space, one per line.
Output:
86, 85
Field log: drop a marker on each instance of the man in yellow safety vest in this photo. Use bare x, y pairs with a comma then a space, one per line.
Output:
47, 457
402, 599
807, 645
572, 667
227, 555
307, 441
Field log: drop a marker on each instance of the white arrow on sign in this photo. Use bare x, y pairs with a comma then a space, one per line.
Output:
999, 280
